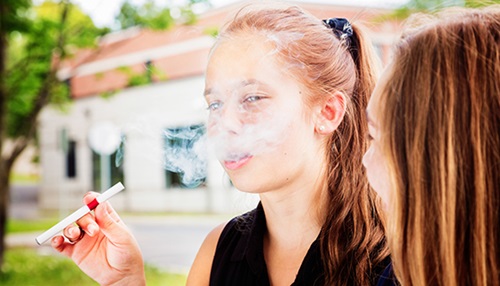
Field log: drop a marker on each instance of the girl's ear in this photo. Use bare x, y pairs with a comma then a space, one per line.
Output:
330, 113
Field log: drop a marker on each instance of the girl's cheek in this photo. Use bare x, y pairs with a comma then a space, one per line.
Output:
367, 157
252, 119
211, 127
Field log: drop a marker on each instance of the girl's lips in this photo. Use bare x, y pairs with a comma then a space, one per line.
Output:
233, 165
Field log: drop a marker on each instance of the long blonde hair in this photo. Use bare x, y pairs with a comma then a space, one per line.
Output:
352, 239
440, 127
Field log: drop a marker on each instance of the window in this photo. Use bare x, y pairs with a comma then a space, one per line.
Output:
184, 156
115, 170
68, 147
71, 159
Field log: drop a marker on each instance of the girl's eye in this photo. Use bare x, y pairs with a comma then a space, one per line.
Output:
370, 137
214, 105
252, 98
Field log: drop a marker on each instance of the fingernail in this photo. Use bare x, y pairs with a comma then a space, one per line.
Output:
91, 229
72, 231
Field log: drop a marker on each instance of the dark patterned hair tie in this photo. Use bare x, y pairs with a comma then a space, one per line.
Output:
340, 27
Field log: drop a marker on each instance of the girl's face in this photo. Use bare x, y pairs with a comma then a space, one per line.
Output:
374, 160
258, 123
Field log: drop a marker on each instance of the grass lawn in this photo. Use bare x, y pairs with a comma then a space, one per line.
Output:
25, 267
16, 226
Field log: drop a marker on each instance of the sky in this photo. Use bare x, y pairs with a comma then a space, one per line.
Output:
103, 12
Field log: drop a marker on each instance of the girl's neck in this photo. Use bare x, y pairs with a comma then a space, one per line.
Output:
294, 217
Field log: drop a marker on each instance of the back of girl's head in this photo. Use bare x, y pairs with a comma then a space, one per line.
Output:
352, 237
440, 123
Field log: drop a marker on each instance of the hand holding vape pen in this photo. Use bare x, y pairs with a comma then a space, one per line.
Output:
79, 213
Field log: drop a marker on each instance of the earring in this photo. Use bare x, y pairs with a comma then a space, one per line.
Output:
322, 128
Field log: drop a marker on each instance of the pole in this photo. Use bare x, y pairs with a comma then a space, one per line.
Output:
105, 172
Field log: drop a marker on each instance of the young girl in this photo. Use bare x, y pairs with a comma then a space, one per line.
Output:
435, 153
287, 95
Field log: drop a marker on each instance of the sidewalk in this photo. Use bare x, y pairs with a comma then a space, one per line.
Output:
23, 205
23, 239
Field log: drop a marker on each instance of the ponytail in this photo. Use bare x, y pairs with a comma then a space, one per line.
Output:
367, 66
353, 240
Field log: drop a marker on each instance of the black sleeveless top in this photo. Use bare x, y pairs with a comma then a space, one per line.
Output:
239, 256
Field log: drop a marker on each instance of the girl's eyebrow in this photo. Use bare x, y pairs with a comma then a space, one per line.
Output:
241, 84
207, 92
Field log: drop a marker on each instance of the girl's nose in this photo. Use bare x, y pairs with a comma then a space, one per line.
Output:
231, 120
227, 120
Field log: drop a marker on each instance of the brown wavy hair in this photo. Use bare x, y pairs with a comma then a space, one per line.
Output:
352, 238
440, 128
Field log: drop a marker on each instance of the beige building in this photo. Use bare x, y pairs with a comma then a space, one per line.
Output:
107, 102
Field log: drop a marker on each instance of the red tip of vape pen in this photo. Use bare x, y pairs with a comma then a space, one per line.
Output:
93, 204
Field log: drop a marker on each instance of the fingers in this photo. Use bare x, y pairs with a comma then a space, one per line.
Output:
87, 222
106, 205
88, 197
109, 221
57, 242
61, 246
105, 219
112, 213
73, 233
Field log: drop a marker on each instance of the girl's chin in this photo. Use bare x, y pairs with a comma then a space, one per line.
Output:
237, 164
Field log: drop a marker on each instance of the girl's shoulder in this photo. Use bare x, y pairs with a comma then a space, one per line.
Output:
199, 273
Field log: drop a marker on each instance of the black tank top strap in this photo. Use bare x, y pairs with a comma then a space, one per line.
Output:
238, 258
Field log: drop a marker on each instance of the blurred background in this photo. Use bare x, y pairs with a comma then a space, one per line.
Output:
98, 92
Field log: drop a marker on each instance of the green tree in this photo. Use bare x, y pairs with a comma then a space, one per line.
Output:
34, 40
434, 5
156, 17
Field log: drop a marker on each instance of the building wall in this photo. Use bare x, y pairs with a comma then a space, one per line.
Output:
141, 113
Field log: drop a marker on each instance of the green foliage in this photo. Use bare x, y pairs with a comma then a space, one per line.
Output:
149, 15
138, 79
15, 18
435, 5
32, 53
79, 29
188, 16
142, 78
17, 226
480, 3
26, 267
211, 31
156, 277
99, 75
134, 79
18, 178
156, 17
108, 94
128, 16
